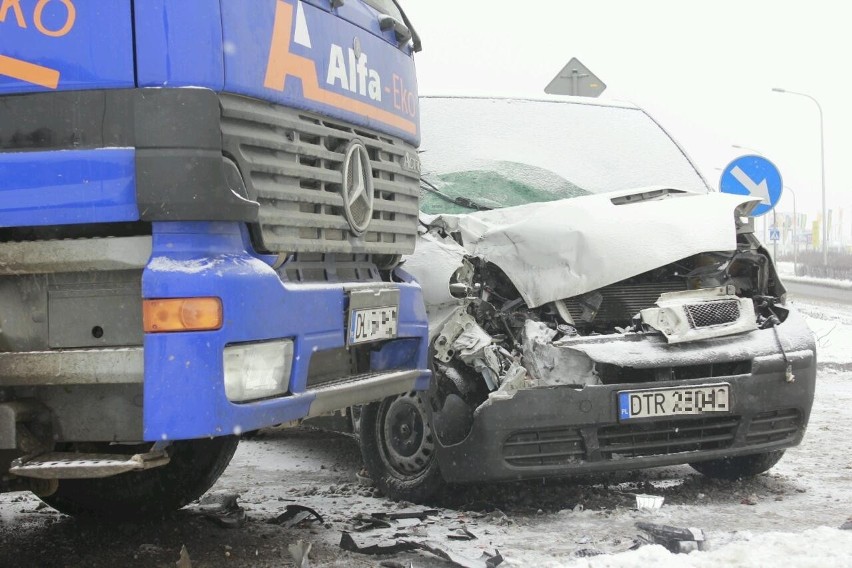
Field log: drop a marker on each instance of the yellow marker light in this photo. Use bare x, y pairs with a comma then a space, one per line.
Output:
181, 314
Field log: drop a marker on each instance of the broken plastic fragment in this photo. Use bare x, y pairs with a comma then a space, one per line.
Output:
223, 510
649, 502
296, 514
184, 561
675, 539
550, 365
692, 315
299, 552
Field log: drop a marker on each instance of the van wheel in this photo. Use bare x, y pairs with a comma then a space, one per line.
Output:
398, 447
738, 466
194, 467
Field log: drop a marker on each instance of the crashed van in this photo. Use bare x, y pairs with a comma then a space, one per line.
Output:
593, 306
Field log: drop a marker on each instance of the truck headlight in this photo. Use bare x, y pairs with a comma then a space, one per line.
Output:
257, 370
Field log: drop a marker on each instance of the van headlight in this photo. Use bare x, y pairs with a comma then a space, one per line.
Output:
257, 370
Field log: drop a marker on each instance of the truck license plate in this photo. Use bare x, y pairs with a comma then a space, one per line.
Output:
372, 324
656, 403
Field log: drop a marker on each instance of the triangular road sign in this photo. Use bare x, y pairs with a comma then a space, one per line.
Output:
575, 79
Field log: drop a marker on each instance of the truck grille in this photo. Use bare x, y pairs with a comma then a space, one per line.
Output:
708, 314
292, 162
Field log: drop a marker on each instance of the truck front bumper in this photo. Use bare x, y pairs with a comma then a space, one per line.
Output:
184, 391
558, 431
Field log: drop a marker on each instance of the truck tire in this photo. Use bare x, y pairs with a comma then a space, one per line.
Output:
398, 447
738, 466
194, 467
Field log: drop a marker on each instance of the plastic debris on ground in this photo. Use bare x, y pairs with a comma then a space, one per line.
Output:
461, 534
184, 560
222, 509
400, 546
294, 515
299, 552
649, 502
677, 540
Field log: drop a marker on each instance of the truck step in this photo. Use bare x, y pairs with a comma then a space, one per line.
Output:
66, 465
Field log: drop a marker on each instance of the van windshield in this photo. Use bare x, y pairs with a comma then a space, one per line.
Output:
505, 152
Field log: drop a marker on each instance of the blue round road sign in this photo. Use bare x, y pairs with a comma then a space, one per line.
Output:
755, 176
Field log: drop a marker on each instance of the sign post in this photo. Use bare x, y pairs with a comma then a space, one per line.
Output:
758, 177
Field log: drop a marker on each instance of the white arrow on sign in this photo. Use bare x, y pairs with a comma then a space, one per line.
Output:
760, 190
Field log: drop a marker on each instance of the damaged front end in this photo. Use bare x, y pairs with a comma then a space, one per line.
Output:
697, 359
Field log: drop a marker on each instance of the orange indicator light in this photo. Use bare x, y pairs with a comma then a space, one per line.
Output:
181, 314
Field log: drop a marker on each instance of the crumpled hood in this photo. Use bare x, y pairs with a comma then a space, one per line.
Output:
560, 249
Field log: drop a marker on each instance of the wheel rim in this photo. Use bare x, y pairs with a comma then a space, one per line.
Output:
407, 442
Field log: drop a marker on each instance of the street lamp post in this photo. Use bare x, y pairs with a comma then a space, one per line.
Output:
822, 158
795, 237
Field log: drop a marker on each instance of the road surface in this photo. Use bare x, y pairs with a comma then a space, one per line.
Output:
809, 291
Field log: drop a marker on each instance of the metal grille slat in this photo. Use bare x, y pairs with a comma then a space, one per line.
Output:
538, 442
268, 190
389, 186
294, 171
294, 193
775, 431
316, 220
578, 454
769, 417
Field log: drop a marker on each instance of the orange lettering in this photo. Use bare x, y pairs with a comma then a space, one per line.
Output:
70, 18
283, 64
29, 72
403, 99
15, 6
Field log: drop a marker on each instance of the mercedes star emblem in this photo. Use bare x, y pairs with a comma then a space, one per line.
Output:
358, 187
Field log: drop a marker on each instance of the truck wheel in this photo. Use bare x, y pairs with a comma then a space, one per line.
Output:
738, 466
194, 467
398, 447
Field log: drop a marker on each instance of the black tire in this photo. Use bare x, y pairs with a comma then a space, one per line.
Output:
194, 467
398, 447
738, 466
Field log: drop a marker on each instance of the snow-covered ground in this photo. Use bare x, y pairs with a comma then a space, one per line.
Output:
818, 548
832, 327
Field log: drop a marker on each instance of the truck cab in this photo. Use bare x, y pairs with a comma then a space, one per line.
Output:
203, 205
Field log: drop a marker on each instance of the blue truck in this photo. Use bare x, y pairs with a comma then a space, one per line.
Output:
203, 204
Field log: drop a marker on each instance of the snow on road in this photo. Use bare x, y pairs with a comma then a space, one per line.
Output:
832, 327
818, 548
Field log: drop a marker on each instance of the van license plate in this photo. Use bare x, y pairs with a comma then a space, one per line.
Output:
658, 403
373, 324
